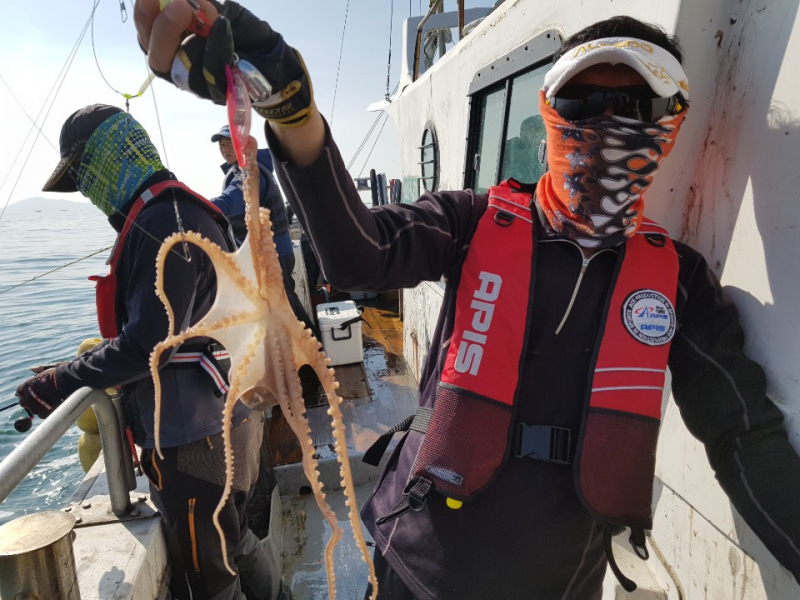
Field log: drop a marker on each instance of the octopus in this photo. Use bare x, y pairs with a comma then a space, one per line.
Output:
252, 318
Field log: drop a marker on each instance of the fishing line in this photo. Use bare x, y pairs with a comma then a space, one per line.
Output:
377, 137
54, 92
128, 97
186, 256
341, 49
25, 112
389, 65
63, 71
366, 137
364, 141
64, 266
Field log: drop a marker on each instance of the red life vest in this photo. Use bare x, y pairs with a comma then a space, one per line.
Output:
471, 427
106, 285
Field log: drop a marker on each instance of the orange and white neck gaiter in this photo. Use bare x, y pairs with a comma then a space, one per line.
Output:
599, 169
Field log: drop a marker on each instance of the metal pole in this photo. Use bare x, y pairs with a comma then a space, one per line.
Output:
434, 7
16, 466
460, 19
127, 456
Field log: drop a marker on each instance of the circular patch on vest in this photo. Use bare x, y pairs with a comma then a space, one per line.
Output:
649, 317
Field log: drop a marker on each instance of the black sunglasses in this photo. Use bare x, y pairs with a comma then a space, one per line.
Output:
578, 102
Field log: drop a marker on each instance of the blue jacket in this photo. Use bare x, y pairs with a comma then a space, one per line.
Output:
231, 201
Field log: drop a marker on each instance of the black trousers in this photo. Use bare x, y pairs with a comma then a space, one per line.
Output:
390, 586
187, 502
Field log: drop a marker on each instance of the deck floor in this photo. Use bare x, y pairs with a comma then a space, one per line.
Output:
378, 393
305, 534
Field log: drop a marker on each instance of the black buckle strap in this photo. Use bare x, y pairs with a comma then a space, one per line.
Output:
627, 584
543, 442
638, 541
416, 422
415, 497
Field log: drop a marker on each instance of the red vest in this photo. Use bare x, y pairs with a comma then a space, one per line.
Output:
469, 435
106, 285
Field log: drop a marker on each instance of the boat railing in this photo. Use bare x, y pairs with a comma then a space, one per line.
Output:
416, 28
116, 454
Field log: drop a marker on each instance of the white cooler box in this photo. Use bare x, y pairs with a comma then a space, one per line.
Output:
340, 326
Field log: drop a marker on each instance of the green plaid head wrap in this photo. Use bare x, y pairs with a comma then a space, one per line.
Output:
117, 159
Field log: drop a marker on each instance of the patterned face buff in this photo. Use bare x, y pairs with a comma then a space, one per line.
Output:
118, 158
600, 168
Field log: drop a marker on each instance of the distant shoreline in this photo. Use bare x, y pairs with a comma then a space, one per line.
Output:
40, 204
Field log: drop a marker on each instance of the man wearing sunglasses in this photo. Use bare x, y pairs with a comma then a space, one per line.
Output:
541, 398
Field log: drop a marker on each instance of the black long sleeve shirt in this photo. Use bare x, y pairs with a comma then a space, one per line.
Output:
527, 535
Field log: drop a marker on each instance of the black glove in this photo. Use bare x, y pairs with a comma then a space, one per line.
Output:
39, 394
200, 64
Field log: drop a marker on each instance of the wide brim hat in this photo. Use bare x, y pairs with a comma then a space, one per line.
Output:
75, 132
660, 69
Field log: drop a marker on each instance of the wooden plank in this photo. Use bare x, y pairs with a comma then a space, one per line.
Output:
352, 381
383, 318
284, 443
394, 342
372, 337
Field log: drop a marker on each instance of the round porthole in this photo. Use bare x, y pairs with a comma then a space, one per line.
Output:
429, 159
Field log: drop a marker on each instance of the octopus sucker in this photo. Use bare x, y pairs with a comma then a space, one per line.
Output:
252, 318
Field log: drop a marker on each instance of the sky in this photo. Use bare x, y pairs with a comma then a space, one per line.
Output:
36, 47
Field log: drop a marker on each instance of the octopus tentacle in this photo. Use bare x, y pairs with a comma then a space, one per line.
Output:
227, 418
251, 316
299, 424
337, 426
155, 357
255, 229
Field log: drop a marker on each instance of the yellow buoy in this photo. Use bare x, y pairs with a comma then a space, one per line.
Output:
89, 445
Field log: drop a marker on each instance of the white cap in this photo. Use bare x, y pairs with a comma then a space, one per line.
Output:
660, 69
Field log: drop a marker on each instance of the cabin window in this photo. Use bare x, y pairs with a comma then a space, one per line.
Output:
489, 136
525, 130
429, 159
506, 132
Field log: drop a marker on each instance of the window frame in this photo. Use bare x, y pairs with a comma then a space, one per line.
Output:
498, 75
429, 126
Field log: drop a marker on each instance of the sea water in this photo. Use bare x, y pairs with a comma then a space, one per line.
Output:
45, 321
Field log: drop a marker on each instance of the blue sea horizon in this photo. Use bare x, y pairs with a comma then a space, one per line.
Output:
44, 321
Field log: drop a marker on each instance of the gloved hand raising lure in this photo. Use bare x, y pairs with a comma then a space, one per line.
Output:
225, 34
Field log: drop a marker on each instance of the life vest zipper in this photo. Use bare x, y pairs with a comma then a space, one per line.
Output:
584, 267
